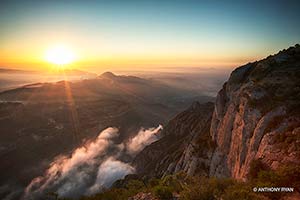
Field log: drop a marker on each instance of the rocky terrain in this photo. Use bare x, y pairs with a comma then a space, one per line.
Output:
185, 145
256, 117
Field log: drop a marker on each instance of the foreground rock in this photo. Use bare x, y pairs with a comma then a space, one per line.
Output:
143, 196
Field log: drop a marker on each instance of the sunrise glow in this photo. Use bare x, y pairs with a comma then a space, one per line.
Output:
103, 35
60, 55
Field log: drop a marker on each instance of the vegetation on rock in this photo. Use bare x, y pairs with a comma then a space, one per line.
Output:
182, 186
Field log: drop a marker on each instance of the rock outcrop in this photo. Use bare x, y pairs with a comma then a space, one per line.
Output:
257, 116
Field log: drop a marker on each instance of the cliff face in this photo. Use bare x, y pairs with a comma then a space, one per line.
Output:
185, 145
257, 116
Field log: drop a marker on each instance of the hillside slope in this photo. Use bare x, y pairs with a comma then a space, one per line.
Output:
184, 146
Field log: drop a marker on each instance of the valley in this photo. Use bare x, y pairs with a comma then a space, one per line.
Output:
41, 121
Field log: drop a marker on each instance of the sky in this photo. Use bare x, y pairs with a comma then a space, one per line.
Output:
131, 35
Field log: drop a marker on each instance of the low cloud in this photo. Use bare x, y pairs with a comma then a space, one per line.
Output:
110, 171
142, 139
90, 168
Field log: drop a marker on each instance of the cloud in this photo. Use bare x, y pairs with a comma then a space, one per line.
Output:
91, 167
71, 176
142, 139
110, 171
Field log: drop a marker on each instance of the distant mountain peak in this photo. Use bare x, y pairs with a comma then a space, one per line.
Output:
108, 75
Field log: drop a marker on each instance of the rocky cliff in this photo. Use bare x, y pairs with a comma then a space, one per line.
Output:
256, 117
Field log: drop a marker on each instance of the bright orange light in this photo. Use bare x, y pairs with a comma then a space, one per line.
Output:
60, 55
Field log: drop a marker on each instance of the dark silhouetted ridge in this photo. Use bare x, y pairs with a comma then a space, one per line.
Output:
108, 75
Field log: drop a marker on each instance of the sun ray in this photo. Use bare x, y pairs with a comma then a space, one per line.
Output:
72, 109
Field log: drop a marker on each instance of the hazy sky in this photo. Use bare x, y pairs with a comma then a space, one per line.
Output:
146, 34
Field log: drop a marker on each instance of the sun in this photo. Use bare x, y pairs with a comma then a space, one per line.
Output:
60, 55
